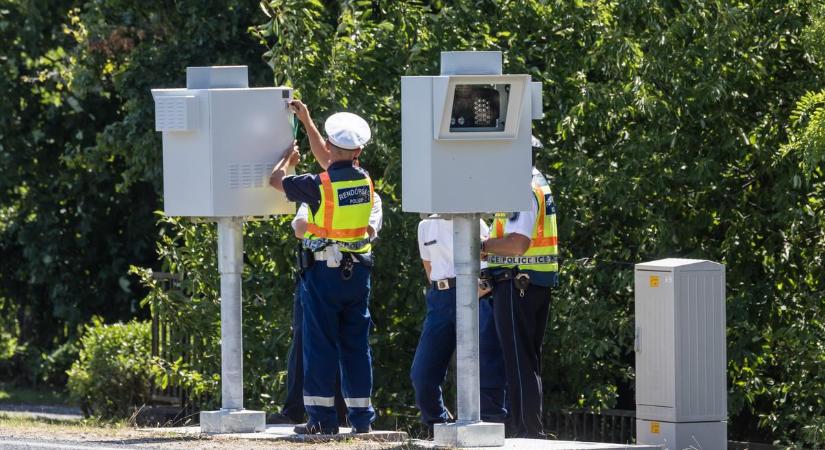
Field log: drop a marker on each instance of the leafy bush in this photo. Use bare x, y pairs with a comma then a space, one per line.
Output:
55, 365
113, 372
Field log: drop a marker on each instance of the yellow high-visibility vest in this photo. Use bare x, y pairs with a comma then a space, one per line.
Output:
344, 212
543, 251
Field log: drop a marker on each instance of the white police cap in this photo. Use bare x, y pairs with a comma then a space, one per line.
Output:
347, 130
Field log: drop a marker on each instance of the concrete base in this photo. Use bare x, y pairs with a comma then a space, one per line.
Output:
283, 432
223, 421
478, 434
542, 444
682, 435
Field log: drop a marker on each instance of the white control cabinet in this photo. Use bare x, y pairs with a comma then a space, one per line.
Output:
466, 137
220, 142
681, 383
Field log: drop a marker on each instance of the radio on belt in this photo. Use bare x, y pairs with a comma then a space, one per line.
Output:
466, 136
220, 141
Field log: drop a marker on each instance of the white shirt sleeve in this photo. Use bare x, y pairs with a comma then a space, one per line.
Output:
484, 235
302, 213
484, 230
422, 237
377, 214
524, 222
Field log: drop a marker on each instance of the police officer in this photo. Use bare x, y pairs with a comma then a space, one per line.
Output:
522, 253
336, 262
293, 409
438, 336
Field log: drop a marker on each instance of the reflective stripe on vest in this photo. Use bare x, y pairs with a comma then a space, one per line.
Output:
344, 213
542, 255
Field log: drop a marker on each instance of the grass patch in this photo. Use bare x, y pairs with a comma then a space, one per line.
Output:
10, 393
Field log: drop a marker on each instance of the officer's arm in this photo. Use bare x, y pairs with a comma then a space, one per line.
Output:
376, 216
300, 227
299, 222
513, 244
316, 142
290, 159
427, 268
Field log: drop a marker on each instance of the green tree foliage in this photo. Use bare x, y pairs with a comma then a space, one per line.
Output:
807, 137
80, 158
798, 396
671, 130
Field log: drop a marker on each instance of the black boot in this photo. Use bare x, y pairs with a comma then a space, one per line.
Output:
313, 428
281, 419
362, 430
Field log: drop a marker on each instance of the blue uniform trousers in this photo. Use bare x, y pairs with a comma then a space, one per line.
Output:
493, 378
294, 402
521, 322
336, 337
435, 350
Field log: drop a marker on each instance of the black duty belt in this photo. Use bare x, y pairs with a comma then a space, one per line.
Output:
444, 284
521, 280
505, 275
522, 260
317, 245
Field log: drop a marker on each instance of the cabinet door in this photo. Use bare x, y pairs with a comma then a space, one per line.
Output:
655, 361
251, 129
700, 345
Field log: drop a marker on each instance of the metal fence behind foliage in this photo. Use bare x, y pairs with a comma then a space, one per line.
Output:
171, 344
163, 338
608, 425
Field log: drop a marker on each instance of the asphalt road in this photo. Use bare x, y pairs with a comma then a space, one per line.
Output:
37, 444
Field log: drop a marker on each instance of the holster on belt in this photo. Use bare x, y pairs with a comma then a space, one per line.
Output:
521, 280
367, 259
349, 258
485, 280
304, 258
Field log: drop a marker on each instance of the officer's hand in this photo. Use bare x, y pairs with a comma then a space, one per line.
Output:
294, 156
483, 290
300, 109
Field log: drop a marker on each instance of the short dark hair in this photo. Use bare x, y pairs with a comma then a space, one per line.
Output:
334, 147
339, 151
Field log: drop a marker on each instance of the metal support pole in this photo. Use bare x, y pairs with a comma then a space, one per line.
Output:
232, 417
230, 266
466, 259
468, 430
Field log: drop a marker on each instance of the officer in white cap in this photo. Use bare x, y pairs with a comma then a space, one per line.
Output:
293, 407
336, 261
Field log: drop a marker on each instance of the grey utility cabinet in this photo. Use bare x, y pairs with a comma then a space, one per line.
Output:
221, 139
681, 383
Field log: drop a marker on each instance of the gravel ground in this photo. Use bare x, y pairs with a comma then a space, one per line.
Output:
33, 434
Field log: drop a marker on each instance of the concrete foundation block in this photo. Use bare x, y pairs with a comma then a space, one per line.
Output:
226, 421
476, 434
682, 435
